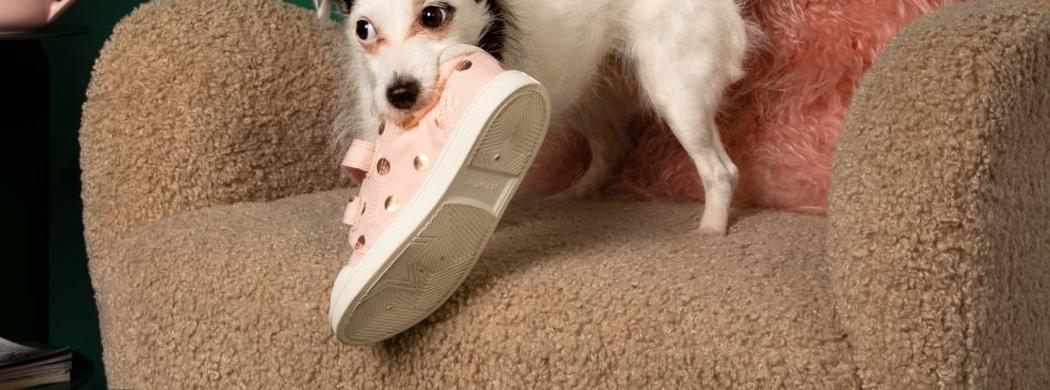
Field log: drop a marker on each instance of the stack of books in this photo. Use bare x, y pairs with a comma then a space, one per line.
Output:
23, 366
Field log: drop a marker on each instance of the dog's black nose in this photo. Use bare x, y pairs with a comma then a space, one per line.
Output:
403, 93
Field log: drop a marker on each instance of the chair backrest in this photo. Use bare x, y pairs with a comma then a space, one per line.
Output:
195, 103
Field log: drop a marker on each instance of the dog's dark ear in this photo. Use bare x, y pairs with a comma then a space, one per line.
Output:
324, 6
344, 6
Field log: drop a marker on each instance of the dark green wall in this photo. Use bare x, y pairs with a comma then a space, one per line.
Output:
73, 317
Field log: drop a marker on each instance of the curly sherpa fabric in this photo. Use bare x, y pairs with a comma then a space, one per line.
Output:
206, 90
779, 124
236, 297
940, 206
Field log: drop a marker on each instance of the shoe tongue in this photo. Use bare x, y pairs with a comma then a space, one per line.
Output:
456, 51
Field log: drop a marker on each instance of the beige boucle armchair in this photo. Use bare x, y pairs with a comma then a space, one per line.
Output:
212, 220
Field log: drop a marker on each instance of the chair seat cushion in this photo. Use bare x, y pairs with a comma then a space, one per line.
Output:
585, 295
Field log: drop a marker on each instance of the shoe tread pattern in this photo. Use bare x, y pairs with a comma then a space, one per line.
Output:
507, 146
425, 275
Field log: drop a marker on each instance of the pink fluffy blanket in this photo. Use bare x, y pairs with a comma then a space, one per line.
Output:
780, 124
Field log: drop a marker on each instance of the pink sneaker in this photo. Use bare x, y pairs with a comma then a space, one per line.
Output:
432, 193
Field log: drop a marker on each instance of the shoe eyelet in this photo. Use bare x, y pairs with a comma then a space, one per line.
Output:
391, 204
360, 242
364, 207
466, 64
382, 127
420, 162
383, 166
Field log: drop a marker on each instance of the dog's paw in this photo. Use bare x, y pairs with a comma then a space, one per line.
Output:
567, 197
713, 227
558, 198
714, 231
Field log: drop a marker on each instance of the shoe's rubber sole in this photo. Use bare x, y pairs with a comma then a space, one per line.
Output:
426, 254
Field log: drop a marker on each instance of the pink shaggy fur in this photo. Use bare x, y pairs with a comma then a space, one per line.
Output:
779, 124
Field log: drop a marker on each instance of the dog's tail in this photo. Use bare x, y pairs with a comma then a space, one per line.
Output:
324, 8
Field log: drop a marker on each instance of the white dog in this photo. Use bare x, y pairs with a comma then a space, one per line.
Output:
602, 61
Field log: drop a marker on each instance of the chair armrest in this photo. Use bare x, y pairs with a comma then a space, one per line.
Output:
201, 103
940, 204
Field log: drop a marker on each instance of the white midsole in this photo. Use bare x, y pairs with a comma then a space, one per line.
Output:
353, 280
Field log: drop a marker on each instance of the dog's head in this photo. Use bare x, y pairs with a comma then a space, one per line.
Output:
400, 42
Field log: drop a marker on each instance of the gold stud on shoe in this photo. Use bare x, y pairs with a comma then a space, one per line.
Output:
466, 64
391, 204
383, 166
420, 162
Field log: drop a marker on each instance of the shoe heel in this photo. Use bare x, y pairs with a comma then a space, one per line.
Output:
514, 134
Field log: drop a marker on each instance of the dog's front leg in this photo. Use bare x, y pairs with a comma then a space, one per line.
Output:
602, 116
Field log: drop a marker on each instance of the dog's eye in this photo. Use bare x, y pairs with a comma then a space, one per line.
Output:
365, 30
434, 16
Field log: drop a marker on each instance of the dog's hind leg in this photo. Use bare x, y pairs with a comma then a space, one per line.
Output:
686, 55
602, 116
